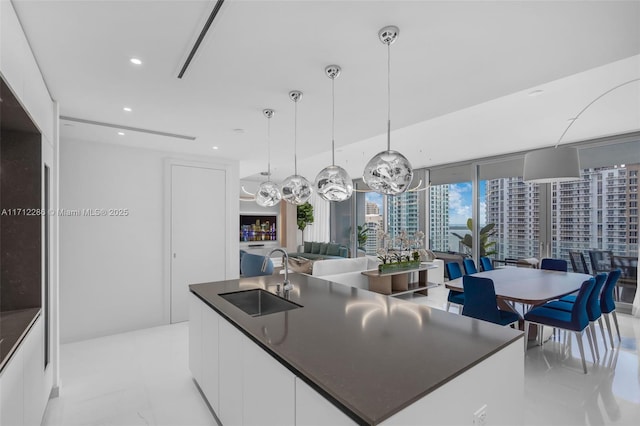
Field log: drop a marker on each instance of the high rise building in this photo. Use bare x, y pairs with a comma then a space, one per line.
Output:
372, 208
513, 206
374, 231
439, 217
599, 211
403, 214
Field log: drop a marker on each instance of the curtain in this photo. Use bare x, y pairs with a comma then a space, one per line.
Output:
319, 229
635, 310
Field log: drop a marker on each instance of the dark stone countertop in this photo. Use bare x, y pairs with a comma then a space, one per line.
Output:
371, 355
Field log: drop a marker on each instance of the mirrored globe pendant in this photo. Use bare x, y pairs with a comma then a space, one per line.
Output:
333, 183
296, 190
388, 173
268, 194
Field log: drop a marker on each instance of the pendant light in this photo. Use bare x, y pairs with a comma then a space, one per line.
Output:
560, 163
389, 172
296, 189
333, 183
268, 194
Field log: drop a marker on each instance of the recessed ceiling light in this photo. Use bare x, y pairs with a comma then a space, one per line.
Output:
68, 125
238, 131
135, 61
536, 92
215, 147
121, 133
127, 109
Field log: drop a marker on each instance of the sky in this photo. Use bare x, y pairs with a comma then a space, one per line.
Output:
459, 202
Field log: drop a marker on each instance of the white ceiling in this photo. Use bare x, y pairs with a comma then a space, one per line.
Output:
461, 75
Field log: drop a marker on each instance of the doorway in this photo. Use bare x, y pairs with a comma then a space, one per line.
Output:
198, 232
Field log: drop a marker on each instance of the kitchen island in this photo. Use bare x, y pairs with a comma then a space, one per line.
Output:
350, 356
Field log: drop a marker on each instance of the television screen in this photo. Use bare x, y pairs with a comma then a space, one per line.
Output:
258, 227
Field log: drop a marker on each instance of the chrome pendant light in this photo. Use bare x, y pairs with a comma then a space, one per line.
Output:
268, 194
296, 189
389, 172
333, 183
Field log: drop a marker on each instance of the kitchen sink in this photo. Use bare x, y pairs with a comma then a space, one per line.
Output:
258, 302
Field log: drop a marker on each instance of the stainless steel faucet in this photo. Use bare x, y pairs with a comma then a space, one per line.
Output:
286, 285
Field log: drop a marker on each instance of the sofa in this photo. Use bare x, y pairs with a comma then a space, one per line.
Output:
317, 251
345, 271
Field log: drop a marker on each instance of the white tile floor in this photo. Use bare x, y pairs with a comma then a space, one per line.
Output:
142, 378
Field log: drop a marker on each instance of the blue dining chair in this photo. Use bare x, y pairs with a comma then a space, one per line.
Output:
486, 264
480, 302
593, 310
607, 304
554, 264
242, 253
469, 266
251, 265
576, 320
454, 297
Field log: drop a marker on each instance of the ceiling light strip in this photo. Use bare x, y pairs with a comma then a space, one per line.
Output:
134, 129
203, 33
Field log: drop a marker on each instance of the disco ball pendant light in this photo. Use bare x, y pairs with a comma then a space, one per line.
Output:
333, 183
296, 189
389, 172
268, 194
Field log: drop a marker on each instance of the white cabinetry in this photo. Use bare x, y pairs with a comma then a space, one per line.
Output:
230, 363
203, 348
23, 389
269, 388
314, 409
210, 377
243, 384
12, 391
195, 337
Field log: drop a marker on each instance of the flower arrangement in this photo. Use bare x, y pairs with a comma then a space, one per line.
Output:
405, 253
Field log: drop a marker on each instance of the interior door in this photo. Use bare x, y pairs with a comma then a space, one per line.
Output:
197, 232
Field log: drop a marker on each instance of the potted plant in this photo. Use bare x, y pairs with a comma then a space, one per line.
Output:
486, 246
305, 217
362, 236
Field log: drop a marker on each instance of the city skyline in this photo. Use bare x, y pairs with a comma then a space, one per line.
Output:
460, 203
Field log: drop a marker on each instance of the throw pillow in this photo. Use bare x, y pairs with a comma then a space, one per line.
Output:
323, 248
333, 249
315, 248
307, 246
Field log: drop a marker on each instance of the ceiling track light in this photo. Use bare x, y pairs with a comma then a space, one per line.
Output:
296, 189
388, 172
268, 193
333, 183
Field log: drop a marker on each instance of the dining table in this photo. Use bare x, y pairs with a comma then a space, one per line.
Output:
530, 287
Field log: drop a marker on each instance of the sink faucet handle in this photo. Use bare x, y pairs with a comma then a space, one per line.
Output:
287, 285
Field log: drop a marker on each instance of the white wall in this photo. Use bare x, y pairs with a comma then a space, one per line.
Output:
20, 71
111, 268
